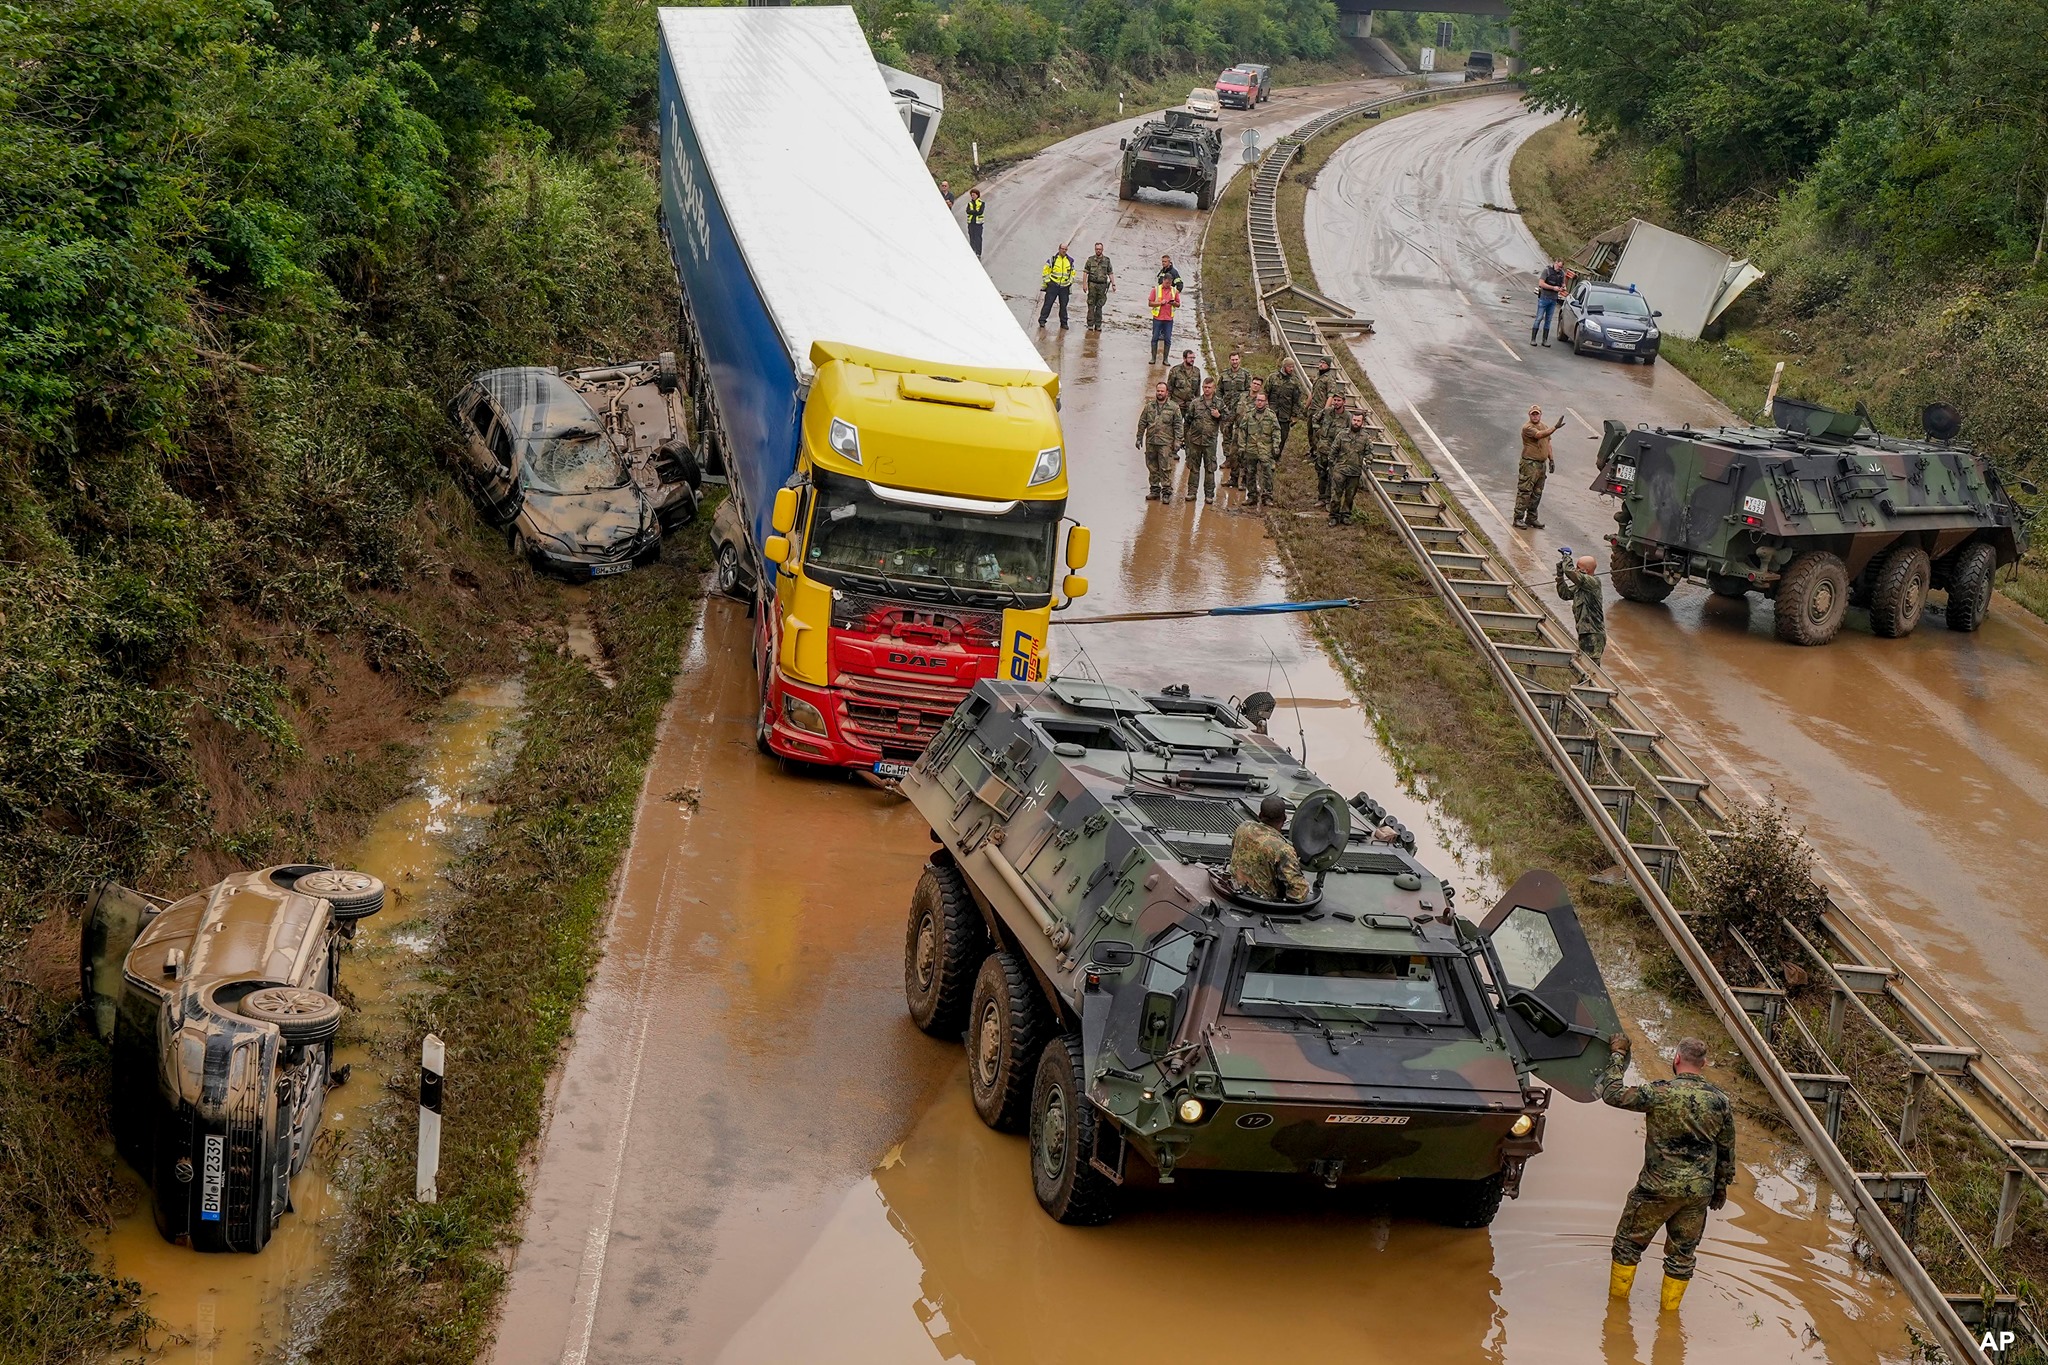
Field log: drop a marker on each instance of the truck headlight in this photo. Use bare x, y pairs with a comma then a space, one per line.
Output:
1191, 1110
802, 714
845, 439
1521, 1126
1050, 462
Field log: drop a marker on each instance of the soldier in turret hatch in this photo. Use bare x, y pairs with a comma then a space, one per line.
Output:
1263, 862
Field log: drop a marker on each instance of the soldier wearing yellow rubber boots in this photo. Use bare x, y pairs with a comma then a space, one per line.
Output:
1688, 1164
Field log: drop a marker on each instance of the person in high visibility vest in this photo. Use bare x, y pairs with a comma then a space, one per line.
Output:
977, 214
1057, 279
1164, 298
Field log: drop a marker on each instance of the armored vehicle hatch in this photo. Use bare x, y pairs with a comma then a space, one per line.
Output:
1122, 999
1173, 153
1819, 513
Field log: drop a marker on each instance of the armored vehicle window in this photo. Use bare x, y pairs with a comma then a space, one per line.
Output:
1527, 947
1082, 733
1277, 974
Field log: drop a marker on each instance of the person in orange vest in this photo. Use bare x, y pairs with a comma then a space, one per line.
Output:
1164, 298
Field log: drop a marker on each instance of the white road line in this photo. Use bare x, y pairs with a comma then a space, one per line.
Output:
1577, 417
1452, 460
1504, 346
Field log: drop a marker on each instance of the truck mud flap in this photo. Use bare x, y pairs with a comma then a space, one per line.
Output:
1110, 1150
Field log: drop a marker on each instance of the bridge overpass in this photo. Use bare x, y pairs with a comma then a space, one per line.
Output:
1354, 17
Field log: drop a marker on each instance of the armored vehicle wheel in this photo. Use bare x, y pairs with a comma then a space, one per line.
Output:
1461, 1203
350, 895
1062, 1136
1813, 596
1969, 586
1898, 593
1127, 187
1631, 579
1205, 197
1727, 585
302, 1016
1006, 1027
942, 946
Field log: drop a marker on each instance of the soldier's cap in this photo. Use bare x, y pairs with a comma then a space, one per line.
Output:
1323, 364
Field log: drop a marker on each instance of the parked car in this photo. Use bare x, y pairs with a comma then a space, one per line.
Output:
584, 470
1204, 104
221, 1014
1237, 88
1608, 319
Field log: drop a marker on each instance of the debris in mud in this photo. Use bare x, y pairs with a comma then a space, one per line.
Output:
686, 796
1612, 876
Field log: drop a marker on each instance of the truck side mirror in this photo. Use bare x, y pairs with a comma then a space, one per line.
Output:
776, 549
1155, 1023
783, 516
1112, 954
1073, 585
1122, 143
1078, 541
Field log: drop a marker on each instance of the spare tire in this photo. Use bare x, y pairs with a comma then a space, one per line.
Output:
352, 895
300, 1015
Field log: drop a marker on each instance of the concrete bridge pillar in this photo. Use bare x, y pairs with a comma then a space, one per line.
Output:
1516, 66
1355, 23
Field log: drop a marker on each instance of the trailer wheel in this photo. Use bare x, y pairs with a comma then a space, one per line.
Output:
943, 944
1898, 592
1969, 585
1006, 1027
1633, 580
1063, 1135
301, 1016
1813, 597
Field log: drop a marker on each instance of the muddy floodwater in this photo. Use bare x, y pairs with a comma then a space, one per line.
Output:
231, 1309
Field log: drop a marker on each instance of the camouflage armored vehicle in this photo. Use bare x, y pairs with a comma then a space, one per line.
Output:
1172, 152
1820, 513
1122, 1003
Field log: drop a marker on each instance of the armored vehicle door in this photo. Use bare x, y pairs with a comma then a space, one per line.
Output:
112, 921
1554, 1000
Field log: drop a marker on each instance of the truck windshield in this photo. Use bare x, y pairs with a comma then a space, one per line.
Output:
579, 460
854, 532
1277, 974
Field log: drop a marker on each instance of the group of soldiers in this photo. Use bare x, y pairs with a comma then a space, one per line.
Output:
1247, 419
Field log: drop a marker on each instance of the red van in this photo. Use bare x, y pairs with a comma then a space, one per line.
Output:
1237, 88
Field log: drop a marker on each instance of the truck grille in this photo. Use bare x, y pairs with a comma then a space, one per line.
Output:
899, 718
917, 622
1190, 813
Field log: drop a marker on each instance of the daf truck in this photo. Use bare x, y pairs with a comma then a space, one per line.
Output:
891, 437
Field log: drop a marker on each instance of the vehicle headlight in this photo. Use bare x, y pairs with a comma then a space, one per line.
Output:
802, 714
1651, 333
1050, 462
1191, 1110
845, 439
1592, 327
1521, 1126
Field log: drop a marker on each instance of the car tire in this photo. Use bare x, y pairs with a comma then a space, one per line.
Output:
1813, 597
1727, 585
1063, 1121
729, 572
301, 1016
943, 945
1461, 1203
1898, 592
351, 895
1633, 580
1649, 360
1969, 585
1006, 1027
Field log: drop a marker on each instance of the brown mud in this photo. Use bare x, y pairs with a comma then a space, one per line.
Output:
754, 1156
228, 1309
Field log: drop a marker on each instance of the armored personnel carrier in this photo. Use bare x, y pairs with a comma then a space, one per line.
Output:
1124, 1005
1819, 512
1172, 152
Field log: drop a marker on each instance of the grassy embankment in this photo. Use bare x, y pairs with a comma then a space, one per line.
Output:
1844, 336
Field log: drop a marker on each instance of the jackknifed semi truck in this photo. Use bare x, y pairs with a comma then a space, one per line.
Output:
891, 437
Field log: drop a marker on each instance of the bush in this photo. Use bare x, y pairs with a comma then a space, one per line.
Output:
1758, 879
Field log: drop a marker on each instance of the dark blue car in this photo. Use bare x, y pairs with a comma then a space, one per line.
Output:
1608, 319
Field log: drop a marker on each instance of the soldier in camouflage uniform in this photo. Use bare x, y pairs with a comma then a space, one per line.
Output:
1231, 387
1349, 450
1263, 862
1688, 1164
1538, 463
1318, 400
1184, 381
1198, 436
1324, 427
1100, 277
1287, 396
1258, 443
1159, 432
1580, 586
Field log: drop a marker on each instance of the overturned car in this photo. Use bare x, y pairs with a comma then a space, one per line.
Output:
585, 470
221, 1014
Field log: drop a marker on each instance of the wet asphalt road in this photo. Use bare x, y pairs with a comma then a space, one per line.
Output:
753, 1156
1918, 765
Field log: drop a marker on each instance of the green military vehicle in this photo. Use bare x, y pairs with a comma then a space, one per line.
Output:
1124, 1005
1820, 512
1172, 153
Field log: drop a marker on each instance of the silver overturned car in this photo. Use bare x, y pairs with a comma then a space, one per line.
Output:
221, 1014
584, 469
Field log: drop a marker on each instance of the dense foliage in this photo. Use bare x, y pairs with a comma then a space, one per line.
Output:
1141, 37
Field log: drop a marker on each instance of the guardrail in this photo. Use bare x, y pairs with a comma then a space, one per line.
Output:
1649, 802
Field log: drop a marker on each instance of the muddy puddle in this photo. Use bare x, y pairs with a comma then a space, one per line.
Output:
228, 1309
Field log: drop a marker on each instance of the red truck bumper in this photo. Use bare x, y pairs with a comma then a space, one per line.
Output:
877, 725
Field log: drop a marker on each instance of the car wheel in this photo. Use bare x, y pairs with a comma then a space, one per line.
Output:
729, 571
943, 944
1649, 360
1969, 585
1813, 597
1006, 1027
1063, 1123
300, 1015
1898, 592
350, 895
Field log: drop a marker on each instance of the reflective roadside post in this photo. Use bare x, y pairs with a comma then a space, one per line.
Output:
433, 1061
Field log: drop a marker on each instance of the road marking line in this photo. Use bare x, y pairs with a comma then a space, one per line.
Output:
1503, 345
1452, 460
1580, 419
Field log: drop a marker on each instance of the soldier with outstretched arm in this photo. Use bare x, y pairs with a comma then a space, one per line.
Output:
1688, 1164
1580, 586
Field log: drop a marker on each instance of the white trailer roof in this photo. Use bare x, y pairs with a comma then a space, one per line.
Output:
838, 218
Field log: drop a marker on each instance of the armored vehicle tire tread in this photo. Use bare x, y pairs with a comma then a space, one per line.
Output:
1007, 1025
1969, 586
1898, 592
1813, 597
943, 946
1126, 188
1462, 1203
301, 1015
1632, 581
350, 895
1205, 197
1062, 1135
